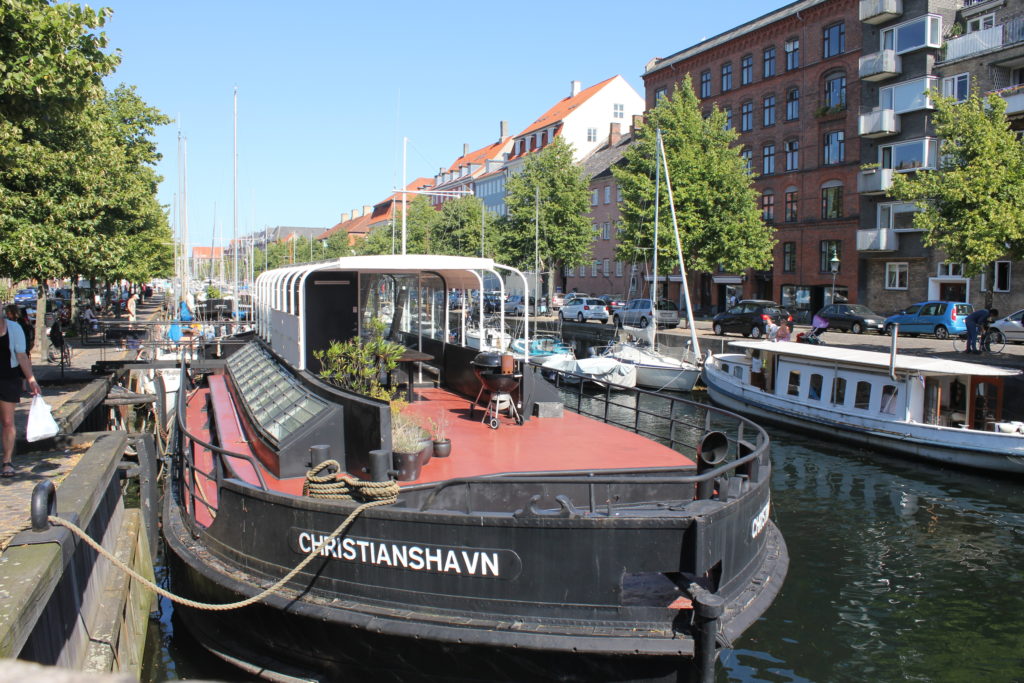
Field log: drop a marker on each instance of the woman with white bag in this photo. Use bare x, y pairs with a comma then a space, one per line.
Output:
16, 368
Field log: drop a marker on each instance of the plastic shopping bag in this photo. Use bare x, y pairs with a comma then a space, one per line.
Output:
41, 424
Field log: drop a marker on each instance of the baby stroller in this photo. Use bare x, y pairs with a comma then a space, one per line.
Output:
809, 338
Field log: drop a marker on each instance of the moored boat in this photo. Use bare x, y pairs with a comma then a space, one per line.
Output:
560, 548
935, 409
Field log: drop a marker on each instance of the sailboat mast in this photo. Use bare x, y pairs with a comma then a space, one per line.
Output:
234, 226
679, 254
657, 207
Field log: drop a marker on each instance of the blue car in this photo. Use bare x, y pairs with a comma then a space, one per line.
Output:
941, 318
26, 296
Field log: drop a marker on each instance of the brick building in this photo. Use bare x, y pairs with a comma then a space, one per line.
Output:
788, 84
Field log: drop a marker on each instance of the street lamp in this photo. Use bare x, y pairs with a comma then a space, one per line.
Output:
834, 265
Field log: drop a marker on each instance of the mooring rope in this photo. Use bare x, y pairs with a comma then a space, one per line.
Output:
341, 486
384, 493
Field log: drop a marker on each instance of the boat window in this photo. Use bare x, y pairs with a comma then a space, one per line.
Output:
794, 383
814, 392
737, 371
890, 392
862, 399
839, 391
725, 368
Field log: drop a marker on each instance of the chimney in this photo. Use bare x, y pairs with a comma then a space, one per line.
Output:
638, 119
503, 128
344, 218
614, 134
575, 89
465, 148
367, 209
356, 213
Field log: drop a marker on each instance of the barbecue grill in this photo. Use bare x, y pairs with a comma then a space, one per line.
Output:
487, 367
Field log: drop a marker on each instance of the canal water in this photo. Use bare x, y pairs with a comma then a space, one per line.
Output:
898, 572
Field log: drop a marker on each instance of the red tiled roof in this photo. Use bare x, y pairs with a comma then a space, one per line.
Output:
207, 252
565, 107
481, 155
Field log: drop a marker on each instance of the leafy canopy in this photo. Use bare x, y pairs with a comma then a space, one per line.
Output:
716, 204
973, 204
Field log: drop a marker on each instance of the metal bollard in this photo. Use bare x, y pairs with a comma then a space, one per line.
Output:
708, 608
44, 504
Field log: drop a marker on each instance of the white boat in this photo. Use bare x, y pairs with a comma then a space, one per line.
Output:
655, 369
599, 369
936, 409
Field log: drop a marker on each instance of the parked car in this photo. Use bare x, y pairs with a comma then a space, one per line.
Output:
637, 313
575, 295
941, 318
613, 302
854, 318
557, 299
26, 296
1012, 326
515, 305
750, 317
583, 310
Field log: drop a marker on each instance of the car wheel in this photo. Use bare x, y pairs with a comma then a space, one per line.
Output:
644, 322
887, 330
756, 332
717, 329
856, 328
580, 318
941, 332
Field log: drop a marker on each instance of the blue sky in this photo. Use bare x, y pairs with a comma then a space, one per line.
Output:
327, 89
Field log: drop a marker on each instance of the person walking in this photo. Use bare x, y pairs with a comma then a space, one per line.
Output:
975, 321
130, 306
14, 367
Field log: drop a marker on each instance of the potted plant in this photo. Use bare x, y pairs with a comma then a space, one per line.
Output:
439, 433
410, 443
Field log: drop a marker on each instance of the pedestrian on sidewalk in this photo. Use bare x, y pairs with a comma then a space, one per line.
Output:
14, 366
130, 305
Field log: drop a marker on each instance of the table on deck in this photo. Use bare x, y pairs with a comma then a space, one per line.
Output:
408, 358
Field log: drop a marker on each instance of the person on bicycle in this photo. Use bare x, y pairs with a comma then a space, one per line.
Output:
980, 319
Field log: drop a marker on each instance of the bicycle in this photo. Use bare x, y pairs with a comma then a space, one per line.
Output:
60, 355
992, 341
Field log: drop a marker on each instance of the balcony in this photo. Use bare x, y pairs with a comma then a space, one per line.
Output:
1014, 97
880, 11
878, 123
878, 239
878, 66
874, 181
973, 43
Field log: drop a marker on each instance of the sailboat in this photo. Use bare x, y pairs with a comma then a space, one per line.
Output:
656, 369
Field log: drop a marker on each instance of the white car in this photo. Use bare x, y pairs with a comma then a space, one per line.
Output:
1012, 326
582, 310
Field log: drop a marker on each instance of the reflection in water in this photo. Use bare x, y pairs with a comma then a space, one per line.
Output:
898, 571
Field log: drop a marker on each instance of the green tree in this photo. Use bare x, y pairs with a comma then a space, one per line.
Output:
420, 227
715, 202
554, 193
457, 231
973, 204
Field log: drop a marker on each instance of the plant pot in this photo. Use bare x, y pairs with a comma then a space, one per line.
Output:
409, 465
427, 448
442, 448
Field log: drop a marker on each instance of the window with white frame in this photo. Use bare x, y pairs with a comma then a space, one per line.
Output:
958, 87
619, 111
981, 22
910, 155
896, 275
583, 271
660, 94
606, 267
591, 134
593, 268
607, 194
1002, 283
950, 269
595, 197
908, 96
922, 32
618, 192
606, 231
618, 269
897, 215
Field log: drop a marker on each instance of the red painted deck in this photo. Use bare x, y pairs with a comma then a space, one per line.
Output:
569, 443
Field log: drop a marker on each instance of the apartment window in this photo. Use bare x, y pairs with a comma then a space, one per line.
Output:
958, 87
910, 155
606, 268
768, 160
918, 33
789, 257
594, 197
768, 111
606, 231
981, 23
607, 194
834, 148
583, 271
769, 62
705, 84
792, 148
832, 200
728, 117
792, 200
897, 215
826, 250
835, 91
950, 269
727, 76
747, 116
748, 159
908, 96
834, 40
659, 95
619, 111
618, 193
768, 206
896, 275
793, 104
792, 49
1002, 283
618, 269
568, 271
594, 267
591, 134
747, 70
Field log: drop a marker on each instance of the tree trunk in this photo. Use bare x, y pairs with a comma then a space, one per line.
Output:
991, 285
